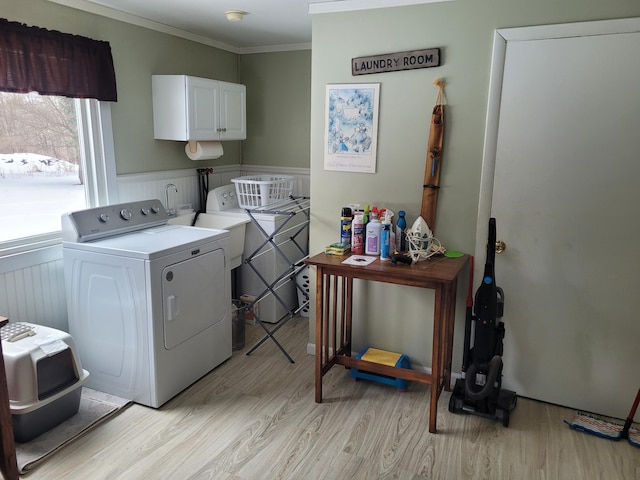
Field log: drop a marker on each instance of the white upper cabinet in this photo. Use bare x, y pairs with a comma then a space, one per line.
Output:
193, 108
233, 107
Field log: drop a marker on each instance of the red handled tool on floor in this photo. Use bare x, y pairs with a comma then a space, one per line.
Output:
584, 422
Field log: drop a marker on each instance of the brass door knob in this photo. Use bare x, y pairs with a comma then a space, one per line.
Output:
500, 246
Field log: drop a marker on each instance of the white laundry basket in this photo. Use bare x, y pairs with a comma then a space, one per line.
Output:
262, 190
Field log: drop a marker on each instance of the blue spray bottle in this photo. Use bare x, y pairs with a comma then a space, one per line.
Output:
401, 230
385, 238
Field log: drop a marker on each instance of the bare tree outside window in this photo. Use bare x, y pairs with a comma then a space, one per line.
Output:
40, 163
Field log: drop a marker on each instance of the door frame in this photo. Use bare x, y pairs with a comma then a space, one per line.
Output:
501, 39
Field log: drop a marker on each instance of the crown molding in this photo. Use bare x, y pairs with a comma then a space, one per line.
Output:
143, 22
334, 6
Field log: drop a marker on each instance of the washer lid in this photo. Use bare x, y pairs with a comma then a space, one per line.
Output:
152, 242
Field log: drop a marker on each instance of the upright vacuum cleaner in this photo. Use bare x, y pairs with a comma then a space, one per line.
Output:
479, 391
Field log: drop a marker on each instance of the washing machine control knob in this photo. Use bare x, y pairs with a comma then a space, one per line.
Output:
145, 211
125, 214
104, 218
155, 209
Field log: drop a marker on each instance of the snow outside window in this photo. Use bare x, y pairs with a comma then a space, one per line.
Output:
56, 155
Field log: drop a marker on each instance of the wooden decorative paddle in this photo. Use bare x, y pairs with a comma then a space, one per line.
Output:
434, 159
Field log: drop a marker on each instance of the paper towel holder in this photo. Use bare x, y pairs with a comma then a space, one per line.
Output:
208, 150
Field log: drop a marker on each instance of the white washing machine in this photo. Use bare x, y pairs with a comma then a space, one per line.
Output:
149, 303
269, 264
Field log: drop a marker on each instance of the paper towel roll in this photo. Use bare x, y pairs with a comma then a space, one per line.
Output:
203, 150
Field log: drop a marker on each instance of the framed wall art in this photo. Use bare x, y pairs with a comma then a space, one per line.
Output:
351, 127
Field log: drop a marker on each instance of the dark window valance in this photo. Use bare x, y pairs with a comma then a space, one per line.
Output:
55, 63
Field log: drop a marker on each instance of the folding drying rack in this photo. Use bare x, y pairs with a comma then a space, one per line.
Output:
294, 205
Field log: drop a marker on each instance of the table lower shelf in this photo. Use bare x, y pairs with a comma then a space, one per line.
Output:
390, 371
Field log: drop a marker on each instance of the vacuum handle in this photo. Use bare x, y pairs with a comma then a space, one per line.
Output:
489, 270
468, 320
491, 242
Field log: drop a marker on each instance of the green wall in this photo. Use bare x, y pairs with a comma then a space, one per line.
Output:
280, 133
278, 108
137, 53
390, 317
278, 89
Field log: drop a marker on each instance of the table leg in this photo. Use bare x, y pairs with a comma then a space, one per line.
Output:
348, 315
319, 331
436, 356
450, 308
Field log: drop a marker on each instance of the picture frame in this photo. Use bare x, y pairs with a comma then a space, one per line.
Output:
351, 127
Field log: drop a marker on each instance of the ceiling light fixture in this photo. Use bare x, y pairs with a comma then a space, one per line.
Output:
235, 15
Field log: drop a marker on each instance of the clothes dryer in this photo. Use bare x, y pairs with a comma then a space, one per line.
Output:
149, 303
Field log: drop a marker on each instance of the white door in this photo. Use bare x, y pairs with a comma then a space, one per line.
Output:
560, 175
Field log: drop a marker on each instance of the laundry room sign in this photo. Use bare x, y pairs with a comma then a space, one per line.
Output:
393, 62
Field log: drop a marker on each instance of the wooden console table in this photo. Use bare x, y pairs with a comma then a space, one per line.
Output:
334, 309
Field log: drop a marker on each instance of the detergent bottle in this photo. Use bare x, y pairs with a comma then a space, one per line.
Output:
385, 238
357, 234
372, 238
388, 215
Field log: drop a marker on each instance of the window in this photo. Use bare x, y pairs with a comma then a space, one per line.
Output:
41, 173
56, 156
65, 65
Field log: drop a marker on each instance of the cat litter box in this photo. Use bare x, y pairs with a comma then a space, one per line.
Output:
44, 377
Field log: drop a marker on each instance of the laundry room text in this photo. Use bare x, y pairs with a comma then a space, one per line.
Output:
393, 62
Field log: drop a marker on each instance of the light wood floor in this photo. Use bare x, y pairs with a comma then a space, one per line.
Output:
254, 417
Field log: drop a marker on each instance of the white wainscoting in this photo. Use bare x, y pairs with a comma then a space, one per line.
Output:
32, 284
141, 186
35, 294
